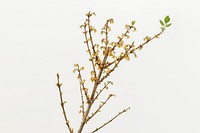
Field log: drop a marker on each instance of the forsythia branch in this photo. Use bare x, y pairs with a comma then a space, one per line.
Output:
71, 130
87, 43
125, 110
104, 58
101, 90
100, 106
130, 50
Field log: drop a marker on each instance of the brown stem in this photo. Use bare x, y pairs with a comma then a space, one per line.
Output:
82, 100
62, 104
141, 45
100, 106
128, 52
81, 81
125, 110
89, 51
105, 86
84, 120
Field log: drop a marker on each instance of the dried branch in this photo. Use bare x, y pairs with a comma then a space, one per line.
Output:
101, 90
82, 99
130, 50
82, 88
71, 130
124, 35
90, 29
92, 98
87, 24
103, 67
100, 106
147, 40
125, 110
115, 66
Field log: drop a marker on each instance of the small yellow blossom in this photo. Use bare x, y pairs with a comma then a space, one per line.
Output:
127, 27
76, 65
111, 21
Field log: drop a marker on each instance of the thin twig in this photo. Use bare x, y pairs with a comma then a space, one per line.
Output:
121, 38
88, 38
101, 90
62, 104
128, 52
82, 100
125, 110
100, 106
83, 84
88, 48
90, 34
148, 40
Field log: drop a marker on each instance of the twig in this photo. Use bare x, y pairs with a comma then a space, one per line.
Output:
148, 40
127, 53
100, 106
92, 97
88, 48
90, 29
115, 66
62, 104
82, 82
82, 100
125, 110
101, 90
121, 38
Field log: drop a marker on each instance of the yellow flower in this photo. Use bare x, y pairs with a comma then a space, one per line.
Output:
82, 68
94, 30
75, 65
127, 58
127, 26
111, 21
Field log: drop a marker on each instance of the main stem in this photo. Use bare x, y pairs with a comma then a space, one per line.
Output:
90, 103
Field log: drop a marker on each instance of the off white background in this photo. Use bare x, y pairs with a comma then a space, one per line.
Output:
42, 37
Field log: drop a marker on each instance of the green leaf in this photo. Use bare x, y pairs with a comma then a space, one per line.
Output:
133, 22
134, 29
167, 19
168, 25
161, 22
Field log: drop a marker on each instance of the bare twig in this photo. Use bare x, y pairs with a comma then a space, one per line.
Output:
147, 40
125, 110
82, 100
62, 105
100, 106
90, 29
101, 90
82, 83
88, 48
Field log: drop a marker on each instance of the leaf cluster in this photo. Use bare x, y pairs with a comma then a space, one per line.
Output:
165, 23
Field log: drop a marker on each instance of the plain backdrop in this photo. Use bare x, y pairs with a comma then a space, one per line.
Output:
39, 38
